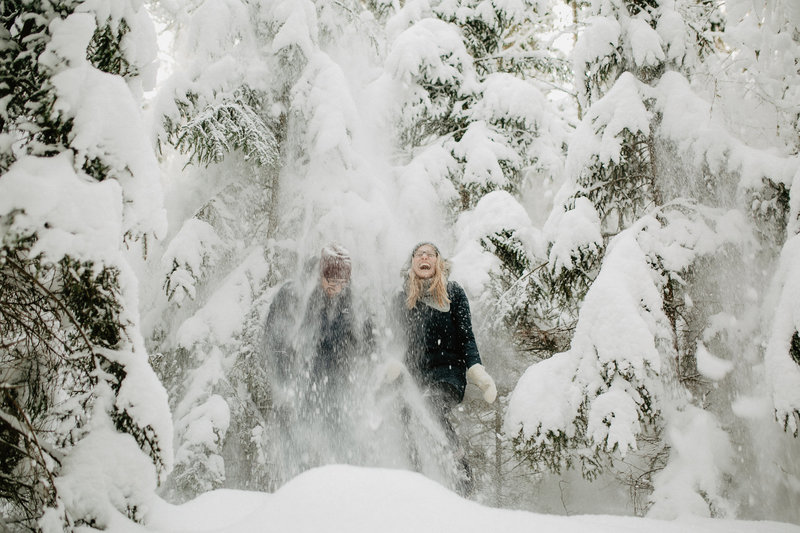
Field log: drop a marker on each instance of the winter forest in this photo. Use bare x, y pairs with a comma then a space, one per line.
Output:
611, 180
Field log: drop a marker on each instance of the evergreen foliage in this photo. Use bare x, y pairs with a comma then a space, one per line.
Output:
65, 330
29, 119
105, 50
468, 76
507, 37
628, 181
252, 434
523, 299
59, 322
232, 124
234, 127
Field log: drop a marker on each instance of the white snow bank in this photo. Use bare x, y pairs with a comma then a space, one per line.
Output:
367, 500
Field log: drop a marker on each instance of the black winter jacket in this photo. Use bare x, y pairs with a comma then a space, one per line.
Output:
338, 338
441, 345
327, 334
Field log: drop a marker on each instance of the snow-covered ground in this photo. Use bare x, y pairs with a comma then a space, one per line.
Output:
369, 500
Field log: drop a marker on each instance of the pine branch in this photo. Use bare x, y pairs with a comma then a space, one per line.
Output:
231, 125
53, 298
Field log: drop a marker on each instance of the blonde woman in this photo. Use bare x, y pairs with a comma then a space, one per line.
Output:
441, 351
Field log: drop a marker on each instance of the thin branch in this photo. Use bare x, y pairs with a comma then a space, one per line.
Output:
35, 440
61, 305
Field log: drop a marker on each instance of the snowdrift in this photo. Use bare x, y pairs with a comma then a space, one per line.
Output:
369, 500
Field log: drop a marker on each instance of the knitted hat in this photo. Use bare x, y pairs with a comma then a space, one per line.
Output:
334, 262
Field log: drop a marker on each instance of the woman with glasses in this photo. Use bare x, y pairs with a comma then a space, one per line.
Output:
441, 352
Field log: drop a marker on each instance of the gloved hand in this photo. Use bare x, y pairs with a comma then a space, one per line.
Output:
392, 370
477, 375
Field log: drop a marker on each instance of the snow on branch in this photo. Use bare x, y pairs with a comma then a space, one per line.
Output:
190, 253
607, 389
231, 124
782, 357
688, 120
606, 384
324, 104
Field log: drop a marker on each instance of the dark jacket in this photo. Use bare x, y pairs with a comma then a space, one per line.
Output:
338, 339
441, 345
314, 347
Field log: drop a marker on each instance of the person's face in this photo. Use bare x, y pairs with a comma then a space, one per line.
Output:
423, 262
334, 286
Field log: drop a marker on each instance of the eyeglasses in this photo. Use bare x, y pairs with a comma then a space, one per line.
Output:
423, 253
337, 282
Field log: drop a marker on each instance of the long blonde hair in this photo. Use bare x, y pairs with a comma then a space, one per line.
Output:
438, 288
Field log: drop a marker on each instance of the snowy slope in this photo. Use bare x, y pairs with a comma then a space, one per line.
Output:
369, 500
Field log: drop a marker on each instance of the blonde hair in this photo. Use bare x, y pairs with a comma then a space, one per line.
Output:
438, 288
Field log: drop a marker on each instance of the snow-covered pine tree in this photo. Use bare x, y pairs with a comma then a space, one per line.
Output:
468, 71
512, 37
657, 170
222, 116
480, 102
86, 431
221, 269
754, 28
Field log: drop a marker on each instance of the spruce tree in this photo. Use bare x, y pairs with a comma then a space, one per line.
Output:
74, 372
225, 130
244, 137
645, 124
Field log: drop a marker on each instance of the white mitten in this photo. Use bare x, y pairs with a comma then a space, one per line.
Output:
477, 374
392, 370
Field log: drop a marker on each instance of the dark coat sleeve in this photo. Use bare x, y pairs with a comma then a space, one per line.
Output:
368, 336
278, 330
459, 308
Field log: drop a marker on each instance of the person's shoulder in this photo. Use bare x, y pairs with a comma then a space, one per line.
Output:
398, 301
453, 287
456, 293
288, 287
287, 292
